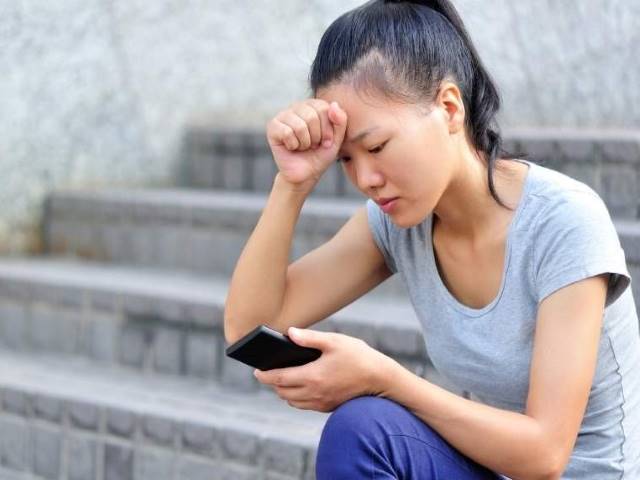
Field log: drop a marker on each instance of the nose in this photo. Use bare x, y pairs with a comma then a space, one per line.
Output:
368, 177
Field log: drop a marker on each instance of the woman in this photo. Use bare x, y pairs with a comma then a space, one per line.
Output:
524, 297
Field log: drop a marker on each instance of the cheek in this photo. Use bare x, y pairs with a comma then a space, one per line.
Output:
421, 178
409, 172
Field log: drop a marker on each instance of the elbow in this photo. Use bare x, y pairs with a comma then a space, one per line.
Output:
232, 330
548, 454
546, 459
554, 471
550, 474
541, 472
230, 335
552, 465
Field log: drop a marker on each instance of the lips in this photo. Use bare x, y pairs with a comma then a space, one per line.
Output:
384, 201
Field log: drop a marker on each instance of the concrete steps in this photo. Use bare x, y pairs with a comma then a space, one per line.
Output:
109, 372
163, 322
112, 360
175, 228
607, 160
180, 229
11, 475
629, 233
69, 418
187, 230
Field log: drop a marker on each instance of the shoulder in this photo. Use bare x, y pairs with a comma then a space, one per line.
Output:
570, 219
574, 237
562, 202
574, 209
574, 220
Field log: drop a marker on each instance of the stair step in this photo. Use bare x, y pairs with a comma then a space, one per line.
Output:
12, 475
629, 233
68, 418
200, 231
163, 321
607, 160
197, 231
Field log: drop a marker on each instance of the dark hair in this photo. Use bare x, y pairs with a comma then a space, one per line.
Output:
405, 50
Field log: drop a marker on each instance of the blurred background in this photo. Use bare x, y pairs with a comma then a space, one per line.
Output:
102, 92
134, 168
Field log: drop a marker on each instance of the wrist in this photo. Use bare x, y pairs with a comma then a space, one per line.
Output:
300, 189
385, 376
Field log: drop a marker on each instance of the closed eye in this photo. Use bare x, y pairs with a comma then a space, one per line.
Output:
377, 149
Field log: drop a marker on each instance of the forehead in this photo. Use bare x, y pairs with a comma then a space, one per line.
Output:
356, 101
365, 109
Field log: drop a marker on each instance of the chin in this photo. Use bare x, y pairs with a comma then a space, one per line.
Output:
404, 221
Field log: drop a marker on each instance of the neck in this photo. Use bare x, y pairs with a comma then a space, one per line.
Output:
466, 210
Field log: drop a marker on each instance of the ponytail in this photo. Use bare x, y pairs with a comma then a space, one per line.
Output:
485, 99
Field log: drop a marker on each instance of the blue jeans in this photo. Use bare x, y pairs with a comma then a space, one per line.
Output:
376, 438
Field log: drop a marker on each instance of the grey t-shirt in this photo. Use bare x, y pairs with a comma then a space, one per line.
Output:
561, 232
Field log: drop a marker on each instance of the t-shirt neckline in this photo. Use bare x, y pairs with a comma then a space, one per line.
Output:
444, 291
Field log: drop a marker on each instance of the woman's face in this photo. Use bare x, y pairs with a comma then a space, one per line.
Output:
408, 154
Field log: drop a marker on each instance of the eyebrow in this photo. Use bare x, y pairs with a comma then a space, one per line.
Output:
362, 134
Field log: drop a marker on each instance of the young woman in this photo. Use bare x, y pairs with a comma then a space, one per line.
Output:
515, 271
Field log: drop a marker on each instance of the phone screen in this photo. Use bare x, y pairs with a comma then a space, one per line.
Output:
264, 348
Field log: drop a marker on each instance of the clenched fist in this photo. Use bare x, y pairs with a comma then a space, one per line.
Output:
305, 139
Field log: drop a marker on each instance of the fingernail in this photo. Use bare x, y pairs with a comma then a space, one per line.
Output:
327, 143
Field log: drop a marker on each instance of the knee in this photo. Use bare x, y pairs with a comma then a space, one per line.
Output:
349, 437
361, 416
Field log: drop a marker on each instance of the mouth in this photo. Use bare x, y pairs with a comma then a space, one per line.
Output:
384, 201
389, 205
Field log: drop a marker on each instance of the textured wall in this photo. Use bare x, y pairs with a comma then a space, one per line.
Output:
99, 91
569, 63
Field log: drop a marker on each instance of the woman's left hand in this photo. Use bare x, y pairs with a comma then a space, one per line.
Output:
347, 368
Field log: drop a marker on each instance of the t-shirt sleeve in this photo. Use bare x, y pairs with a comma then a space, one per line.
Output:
576, 239
380, 229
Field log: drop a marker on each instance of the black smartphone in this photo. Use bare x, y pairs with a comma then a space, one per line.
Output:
264, 348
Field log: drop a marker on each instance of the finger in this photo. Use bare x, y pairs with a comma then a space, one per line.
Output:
311, 405
311, 338
303, 405
299, 127
338, 118
322, 107
284, 135
281, 377
312, 119
295, 394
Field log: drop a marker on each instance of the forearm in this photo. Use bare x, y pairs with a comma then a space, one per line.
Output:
258, 283
507, 442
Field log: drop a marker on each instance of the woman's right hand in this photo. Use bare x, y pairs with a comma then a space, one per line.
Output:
305, 139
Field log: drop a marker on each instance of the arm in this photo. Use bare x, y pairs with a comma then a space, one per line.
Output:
260, 274
304, 140
343, 269
536, 444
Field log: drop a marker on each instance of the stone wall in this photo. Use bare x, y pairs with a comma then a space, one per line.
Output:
98, 92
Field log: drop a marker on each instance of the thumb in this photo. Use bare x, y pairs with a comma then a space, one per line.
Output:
338, 118
308, 338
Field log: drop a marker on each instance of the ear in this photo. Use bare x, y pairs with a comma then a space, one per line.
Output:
449, 100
